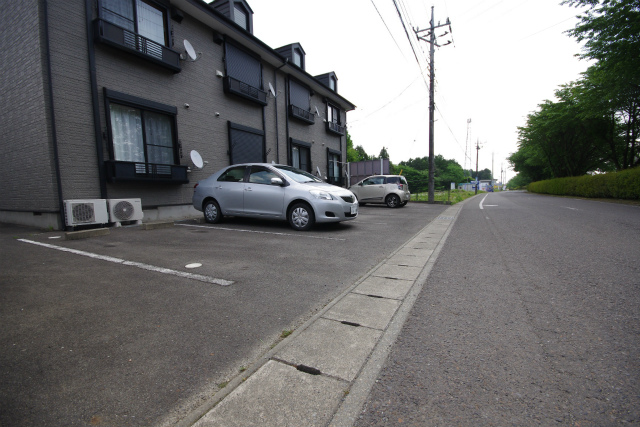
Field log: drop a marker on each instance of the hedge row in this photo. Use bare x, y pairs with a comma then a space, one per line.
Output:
614, 185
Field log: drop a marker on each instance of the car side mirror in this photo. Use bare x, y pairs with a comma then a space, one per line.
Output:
277, 181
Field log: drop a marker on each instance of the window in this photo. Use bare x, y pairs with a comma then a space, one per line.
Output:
297, 58
244, 75
139, 16
235, 174
240, 16
333, 120
333, 114
139, 26
246, 144
333, 84
300, 102
142, 138
261, 175
301, 155
333, 167
374, 180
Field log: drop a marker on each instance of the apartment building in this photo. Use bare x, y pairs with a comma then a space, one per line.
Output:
114, 99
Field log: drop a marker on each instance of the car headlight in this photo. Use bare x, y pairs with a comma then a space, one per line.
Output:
323, 195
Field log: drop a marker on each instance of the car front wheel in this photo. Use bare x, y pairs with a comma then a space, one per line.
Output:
301, 217
212, 212
393, 201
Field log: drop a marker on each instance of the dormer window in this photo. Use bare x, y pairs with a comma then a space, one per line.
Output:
294, 53
297, 58
240, 16
330, 80
236, 10
333, 84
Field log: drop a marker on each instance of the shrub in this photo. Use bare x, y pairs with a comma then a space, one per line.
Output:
616, 185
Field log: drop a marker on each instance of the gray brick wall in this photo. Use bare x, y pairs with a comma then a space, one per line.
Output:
26, 170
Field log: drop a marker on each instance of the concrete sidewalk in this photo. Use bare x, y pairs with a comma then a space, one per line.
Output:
322, 373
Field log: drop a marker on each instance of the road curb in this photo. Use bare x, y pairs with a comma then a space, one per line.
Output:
244, 401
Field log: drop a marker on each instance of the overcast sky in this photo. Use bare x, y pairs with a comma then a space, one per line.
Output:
507, 57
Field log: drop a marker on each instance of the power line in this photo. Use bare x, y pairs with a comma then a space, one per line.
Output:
385, 24
407, 33
388, 102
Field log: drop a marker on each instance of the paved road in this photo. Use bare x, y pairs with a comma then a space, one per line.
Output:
531, 316
119, 342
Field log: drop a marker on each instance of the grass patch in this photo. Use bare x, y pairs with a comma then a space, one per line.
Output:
285, 333
223, 385
451, 196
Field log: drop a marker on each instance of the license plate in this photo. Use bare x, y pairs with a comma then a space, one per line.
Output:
354, 210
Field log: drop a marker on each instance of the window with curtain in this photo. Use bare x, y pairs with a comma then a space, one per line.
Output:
141, 136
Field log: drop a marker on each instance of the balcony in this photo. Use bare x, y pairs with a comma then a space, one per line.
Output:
118, 171
301, 114
244, 90
333, 127
113, 35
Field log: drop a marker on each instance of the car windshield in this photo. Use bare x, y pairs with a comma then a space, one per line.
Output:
297, 174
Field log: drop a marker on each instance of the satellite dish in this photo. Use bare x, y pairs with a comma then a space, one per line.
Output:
196, 158
317, 112
190, 50
272, 90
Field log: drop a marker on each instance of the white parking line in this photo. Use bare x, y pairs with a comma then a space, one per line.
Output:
143, 266
261, 232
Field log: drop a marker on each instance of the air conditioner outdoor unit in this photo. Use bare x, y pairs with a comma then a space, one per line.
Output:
85, 212
121, 210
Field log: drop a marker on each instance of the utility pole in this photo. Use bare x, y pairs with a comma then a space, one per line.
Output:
467, 157
432, 42
477, 153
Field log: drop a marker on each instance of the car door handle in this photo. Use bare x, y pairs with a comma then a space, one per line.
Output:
248, 189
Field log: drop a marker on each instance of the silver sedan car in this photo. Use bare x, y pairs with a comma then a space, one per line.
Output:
270, 191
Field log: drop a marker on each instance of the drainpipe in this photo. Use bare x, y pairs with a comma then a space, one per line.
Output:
94, 98
275, 82
54, 136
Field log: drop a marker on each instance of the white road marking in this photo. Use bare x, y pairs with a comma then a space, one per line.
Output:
573, 209
261, 232
482, 201
143, 266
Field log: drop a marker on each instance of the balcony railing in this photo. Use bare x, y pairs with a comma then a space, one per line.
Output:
113, 35
336, 128
145, 172
245, 90
301, 114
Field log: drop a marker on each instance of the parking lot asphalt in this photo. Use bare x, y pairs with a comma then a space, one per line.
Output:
117, 330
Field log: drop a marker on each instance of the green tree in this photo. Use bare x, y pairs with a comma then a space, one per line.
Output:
356, 154
421, 163
568, 137
384, 154
610, 30
418, 180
